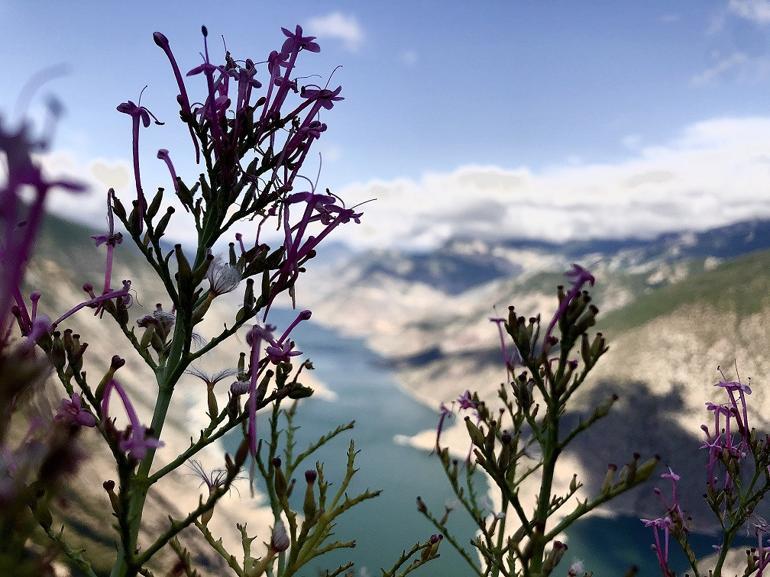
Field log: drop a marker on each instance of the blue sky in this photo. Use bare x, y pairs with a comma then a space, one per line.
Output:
435, 90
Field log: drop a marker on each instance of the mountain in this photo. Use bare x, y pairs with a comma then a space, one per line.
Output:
673, 308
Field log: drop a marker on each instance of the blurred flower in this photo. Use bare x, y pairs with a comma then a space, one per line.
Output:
466, 401
239, 387
71, 411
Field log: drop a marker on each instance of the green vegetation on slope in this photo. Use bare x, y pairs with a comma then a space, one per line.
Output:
741, 285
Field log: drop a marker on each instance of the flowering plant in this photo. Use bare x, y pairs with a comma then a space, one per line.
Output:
519, 445
737, 480
252, 150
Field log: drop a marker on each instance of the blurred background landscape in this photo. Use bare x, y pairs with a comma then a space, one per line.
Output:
502, 144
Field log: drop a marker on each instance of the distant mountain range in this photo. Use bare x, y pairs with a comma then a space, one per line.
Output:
673, 308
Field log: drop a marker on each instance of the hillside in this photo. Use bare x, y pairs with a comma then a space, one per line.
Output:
65, 258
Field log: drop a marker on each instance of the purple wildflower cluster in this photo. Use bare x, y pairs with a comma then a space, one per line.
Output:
523, 437
247, 141
737, 480
731, 435
662, 527
20, 224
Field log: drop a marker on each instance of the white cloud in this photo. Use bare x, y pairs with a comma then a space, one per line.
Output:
714, 173
339, 26
755, 10
723, 65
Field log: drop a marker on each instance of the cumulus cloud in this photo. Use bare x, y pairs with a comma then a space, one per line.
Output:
755, 10
713, 173
339, 26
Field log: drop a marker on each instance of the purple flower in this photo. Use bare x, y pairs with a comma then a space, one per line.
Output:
322, 97
123, 293
164, 156
135, 440
295, 41
662, 524
254, 339
466, 401
731, 387
111, 239
578, 276
71, 411
19, 225
213, 108
138, 113
281, 352
510, 359
184, 101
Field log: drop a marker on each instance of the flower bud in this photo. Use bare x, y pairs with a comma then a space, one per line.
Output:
115, 364
647, 468
279, 481
163, 223
57, 354
279, 540
109, 486
477, 437
309, 507
431, 547
212, 403
553, 557
121, 309
239, 388
69, 345
609, 478
160, 39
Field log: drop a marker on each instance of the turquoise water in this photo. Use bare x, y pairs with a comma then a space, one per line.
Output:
367, 392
